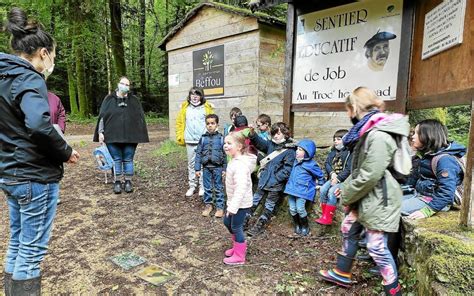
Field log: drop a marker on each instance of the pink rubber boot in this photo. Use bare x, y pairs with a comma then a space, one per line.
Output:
238, 258
230, 251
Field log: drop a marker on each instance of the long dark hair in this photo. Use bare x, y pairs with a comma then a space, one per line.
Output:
27, 35
433, 135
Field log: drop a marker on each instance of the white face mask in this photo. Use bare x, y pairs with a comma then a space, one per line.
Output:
47, 71
339, 147
278, 141
123, 88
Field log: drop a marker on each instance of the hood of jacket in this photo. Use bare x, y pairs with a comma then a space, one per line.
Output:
12, 65
390, 123
308, 146
249, 160
454, 149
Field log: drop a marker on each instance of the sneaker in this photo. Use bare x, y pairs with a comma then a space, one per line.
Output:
190, 192
219, 213
207, 211
201, 191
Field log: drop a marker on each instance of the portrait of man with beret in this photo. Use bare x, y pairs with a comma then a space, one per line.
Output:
377, 50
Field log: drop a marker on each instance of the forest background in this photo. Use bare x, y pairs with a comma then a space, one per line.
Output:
99, 41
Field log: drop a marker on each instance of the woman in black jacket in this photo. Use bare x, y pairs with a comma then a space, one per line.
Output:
121, 126
31, 152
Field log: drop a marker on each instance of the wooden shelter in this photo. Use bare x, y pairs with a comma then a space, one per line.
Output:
235, 55
433, 70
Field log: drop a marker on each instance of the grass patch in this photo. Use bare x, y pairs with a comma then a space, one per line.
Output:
150, 118
156, 118
171, 152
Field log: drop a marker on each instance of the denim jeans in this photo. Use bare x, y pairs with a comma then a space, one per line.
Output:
235, 224
272, 199
32, 208
297, 205
327, 193
412, 203
122, 154
212, 179
376, 246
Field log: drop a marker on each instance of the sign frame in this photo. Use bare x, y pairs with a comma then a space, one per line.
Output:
209, 70
398, 105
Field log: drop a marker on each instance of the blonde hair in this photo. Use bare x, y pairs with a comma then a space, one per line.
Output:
239, 138
363, 99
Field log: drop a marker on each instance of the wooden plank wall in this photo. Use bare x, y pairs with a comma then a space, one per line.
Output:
242, 65
446, 78
211, 24
271, 71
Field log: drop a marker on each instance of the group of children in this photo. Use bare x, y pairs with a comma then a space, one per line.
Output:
261, 154
371, 196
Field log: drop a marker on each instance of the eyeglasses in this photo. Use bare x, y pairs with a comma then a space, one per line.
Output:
126, 84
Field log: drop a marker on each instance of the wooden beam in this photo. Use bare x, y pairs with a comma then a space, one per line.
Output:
452, 98
290, 40
467, 210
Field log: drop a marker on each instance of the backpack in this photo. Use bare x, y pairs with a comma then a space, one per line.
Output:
401, 164
462, 163
103, 158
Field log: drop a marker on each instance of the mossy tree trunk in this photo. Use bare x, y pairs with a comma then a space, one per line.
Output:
71, 81
117, 37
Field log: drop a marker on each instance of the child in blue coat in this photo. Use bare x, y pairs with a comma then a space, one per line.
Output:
301, 185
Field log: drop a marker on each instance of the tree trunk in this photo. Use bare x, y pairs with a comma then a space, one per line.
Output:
107, 50
71, 81
80, 75
141, 57
117, 38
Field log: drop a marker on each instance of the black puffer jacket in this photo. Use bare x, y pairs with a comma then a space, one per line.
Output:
30, 147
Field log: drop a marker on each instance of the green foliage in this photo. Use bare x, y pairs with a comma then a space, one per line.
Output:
458, 122
169, 147
78, 119
156, 118
416, 116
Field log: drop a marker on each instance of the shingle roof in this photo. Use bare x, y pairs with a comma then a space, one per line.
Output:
261, 17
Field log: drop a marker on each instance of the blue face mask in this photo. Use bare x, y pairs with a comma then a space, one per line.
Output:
123, 88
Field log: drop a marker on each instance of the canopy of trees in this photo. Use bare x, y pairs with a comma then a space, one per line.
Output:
99, 41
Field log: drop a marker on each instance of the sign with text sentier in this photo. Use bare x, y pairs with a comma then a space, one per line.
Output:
342, 48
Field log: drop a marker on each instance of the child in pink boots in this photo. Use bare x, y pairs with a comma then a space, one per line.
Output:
239, 194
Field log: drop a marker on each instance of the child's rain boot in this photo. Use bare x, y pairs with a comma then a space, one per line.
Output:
341, 275
230, 251
393, 289
323, 207
296, 222
328, 215
238, 257
304, 226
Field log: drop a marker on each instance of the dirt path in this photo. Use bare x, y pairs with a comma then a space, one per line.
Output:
159, 224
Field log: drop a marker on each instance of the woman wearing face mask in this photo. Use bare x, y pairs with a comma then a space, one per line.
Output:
121, 126
31, 150
371, 194
190, 126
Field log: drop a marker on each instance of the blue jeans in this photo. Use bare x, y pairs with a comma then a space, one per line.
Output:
412, 203
32, 208
297, 205
212, 179
235, 224
326, 194
122, 154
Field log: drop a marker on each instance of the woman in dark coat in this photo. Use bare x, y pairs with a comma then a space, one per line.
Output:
32, 152
121, 126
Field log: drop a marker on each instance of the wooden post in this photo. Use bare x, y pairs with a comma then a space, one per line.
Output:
290, 35
467, 211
